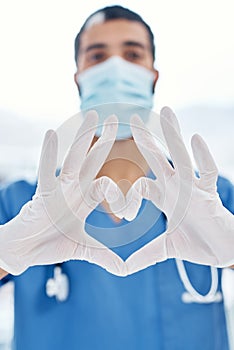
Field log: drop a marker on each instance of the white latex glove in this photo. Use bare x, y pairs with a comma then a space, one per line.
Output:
200, 229
50, 228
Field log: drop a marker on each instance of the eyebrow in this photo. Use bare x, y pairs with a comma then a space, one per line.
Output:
95, 46
129, 43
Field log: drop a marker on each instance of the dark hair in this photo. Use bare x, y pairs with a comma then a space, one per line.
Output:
115, 12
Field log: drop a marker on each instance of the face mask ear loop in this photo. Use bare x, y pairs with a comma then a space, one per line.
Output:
193, 296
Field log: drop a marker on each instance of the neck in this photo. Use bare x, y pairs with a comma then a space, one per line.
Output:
125, 164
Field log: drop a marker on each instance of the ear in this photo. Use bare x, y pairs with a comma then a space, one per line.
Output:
156, 73
75, 80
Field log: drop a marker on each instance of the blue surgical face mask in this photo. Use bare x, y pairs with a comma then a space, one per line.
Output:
118, 87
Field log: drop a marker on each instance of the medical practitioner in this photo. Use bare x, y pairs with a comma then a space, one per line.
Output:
82, 303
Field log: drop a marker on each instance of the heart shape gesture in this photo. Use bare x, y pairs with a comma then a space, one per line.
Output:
50, 228
199, 229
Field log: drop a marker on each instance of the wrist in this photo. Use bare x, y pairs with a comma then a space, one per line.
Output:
3, 273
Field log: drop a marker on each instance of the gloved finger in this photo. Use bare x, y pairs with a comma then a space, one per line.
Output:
99, 152
48, 162
114, 196
149, 255
206, 165
145, 142
174, 122
81, 144
101, 189
133, 200
176, 146
142, 188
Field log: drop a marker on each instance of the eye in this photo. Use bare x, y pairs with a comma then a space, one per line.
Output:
133, 55
96, 57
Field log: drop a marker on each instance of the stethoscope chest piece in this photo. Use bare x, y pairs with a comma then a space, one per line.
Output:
58, 286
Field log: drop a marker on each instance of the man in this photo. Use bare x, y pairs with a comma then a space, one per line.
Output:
150, 309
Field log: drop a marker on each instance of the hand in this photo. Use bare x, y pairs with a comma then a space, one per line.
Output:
50, 228
200, 229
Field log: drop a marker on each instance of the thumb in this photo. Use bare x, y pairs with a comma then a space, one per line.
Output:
150, 254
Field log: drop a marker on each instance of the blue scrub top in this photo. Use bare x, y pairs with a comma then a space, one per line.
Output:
106, 312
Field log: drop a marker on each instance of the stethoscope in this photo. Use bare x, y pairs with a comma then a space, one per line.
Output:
58, 286
191, 295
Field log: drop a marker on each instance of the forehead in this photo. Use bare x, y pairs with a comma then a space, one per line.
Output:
114, 32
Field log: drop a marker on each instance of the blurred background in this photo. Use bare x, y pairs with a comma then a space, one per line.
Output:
194, 55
